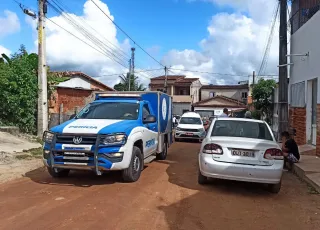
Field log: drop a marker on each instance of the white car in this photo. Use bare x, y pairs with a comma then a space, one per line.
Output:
241, 150
190, 127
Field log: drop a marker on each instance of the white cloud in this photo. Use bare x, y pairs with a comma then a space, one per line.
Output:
9, 23
234, 45
4, 50
65, 52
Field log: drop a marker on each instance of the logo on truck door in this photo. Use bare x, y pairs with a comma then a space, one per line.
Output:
150, 143
164, 108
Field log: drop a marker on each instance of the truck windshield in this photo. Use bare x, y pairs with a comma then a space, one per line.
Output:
190, 121
110, 110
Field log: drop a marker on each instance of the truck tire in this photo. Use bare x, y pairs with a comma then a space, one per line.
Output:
55, 172
163, 155
132, 174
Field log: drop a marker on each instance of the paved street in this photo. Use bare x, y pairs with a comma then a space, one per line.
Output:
167, 196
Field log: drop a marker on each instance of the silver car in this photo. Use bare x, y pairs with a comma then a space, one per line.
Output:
242, 150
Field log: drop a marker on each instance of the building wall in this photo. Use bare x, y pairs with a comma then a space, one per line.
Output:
179, 107
231, 93
70, 98
304, 69
194, 91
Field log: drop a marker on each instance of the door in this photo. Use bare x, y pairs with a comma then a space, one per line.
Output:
150, 135
314, 112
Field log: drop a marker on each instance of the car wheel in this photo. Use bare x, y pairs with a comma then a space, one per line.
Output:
163, 155
132, 174
201, 178
55, 172
274, 188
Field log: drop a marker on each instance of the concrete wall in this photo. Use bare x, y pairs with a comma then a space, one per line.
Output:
305, 39
232, 93
179, 107
194, 91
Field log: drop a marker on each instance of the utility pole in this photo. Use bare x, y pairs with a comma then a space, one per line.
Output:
42, 71
253, 77
129, 74
283, 69
131, 66
166, 79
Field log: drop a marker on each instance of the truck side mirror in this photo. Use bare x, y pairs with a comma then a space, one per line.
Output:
149, 119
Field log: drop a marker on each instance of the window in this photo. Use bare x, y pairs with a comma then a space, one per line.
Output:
297, 95
212, 94
244, 95
190, 121
110, 110
145, 111
246, 129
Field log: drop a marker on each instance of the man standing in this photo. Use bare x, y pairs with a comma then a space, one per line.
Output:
225, 113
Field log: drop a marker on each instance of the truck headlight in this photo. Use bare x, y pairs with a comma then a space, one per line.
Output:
114, 139
48, 136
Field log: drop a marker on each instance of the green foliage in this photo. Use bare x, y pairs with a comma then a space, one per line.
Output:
261, 94
256, 114
124, 84
19, 89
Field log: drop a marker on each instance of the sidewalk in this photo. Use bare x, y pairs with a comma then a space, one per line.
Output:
308, 168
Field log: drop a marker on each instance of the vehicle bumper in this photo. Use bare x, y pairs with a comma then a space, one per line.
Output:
250, 173
195, 135
97, 159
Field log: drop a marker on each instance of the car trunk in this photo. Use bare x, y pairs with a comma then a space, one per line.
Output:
241, 150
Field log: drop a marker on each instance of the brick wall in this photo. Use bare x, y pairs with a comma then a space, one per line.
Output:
297, 120
70, 98
318, 130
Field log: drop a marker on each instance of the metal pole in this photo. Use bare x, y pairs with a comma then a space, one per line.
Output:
166, 79
283, 69
130, 71
42, 72
131, 75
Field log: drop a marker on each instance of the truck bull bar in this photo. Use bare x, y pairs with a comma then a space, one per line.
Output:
70, 164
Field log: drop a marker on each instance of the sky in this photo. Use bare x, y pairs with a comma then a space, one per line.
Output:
219, 41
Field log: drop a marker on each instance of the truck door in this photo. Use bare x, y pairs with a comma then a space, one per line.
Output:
151, 133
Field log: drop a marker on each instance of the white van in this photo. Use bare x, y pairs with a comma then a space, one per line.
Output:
190, 127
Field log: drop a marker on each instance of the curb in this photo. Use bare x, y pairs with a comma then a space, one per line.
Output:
309, 178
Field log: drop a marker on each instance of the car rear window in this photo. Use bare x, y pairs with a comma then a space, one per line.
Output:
246, 129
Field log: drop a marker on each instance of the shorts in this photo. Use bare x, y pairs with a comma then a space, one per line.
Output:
291, 158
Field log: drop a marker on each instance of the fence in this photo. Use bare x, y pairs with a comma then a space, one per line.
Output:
58, 118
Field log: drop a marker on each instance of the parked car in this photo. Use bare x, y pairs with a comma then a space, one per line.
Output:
190, 127
242, 150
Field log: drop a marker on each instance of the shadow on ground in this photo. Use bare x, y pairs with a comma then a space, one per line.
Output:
75, 178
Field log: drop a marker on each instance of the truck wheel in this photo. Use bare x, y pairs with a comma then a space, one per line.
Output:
162, 156
55, 172
132, 173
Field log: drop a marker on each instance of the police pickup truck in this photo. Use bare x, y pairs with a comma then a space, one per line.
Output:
117, 131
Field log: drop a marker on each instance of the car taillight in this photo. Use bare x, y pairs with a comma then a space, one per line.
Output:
273, 154
212, 149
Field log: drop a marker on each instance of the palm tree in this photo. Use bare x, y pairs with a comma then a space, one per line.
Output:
124, 83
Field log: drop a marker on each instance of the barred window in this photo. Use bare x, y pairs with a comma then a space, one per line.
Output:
297, 94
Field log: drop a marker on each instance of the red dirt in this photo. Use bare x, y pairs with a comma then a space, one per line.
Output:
167, 196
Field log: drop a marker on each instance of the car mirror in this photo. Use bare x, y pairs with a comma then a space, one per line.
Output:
149, 119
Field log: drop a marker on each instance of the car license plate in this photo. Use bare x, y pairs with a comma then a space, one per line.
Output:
242, 153
189, 134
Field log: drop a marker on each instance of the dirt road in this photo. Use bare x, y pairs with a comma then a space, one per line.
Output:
167, 196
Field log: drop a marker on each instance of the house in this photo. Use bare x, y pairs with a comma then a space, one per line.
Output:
304, 96
215, 105
184, 91
72, 94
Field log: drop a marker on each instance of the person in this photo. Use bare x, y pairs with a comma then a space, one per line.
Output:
225, 113
248, 115
174, 121
290, 149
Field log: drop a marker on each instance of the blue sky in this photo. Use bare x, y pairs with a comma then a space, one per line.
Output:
173, 31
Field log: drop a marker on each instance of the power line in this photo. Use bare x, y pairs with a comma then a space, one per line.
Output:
126, 34
222, 74
142, 71
83, 41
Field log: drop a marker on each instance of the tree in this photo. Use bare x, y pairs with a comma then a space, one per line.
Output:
19, 89
261, 94
124, 84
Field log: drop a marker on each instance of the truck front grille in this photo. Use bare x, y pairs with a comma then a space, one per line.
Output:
189, 130
68, 139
